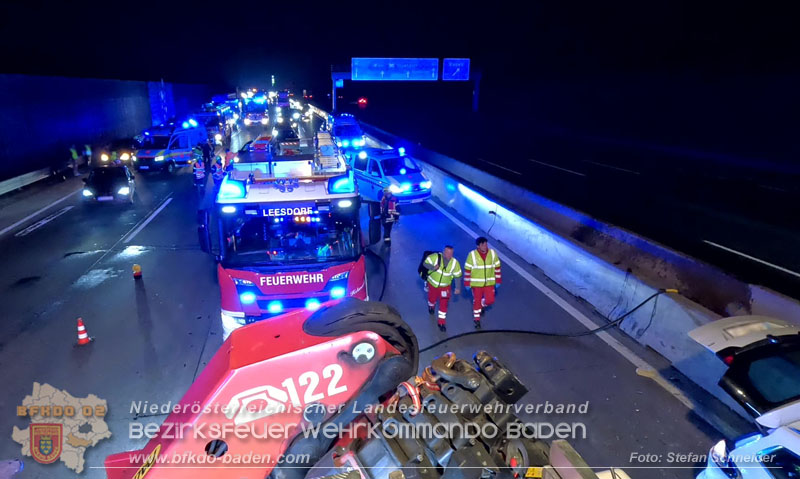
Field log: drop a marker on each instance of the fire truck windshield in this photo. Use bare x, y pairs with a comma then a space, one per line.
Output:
291, 240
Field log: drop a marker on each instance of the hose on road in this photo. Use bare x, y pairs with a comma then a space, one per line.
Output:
609, 325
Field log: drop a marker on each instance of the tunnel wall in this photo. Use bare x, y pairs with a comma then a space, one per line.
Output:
41, 117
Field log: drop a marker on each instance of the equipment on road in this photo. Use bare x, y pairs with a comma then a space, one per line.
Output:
137, 271
335, 392
83, 336
288, 234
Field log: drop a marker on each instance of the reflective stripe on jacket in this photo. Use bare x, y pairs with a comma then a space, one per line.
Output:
482, 272
442, 276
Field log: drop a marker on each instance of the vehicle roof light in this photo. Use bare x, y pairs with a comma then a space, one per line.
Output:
362, 155
230, 189
341, 184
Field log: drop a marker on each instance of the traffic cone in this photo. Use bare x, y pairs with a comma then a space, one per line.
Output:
83, 336
137, 272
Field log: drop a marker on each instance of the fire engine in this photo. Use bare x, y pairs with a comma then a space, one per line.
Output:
287, 233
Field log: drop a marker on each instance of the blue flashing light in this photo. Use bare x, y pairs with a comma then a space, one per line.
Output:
401, 151
362, 155
345, 143
185, 124
229, 209
248, 297
192, 122
338, 292
344, 204
275, 307
231, 189
312, 304
406, 186
450, 186
403, 171
341, 184
427, 184
147, 133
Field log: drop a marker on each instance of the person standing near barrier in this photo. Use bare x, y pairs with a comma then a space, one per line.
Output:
443, 269
482, 276
73, 153
389, 214
87, 154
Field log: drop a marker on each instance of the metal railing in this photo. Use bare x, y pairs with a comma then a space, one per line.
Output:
15, 183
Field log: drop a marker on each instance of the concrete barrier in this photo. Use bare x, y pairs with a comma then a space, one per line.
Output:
15, 183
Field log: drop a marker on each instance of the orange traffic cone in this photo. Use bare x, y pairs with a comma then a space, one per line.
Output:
83, 336
137, 272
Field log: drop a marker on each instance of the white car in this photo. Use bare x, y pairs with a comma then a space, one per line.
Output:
763, 358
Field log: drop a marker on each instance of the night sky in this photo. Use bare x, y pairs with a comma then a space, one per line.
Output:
243, 43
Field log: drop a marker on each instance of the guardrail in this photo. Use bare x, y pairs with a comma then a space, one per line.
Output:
12, 184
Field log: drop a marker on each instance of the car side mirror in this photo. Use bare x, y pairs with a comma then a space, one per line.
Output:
375, 174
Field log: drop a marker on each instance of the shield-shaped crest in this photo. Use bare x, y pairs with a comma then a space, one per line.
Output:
46, 441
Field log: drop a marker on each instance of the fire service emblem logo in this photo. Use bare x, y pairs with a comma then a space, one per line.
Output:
46, 442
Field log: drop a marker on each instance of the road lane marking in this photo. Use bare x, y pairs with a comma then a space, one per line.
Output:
501, 167
148, 220
30, 229
640, 364
36, 213
612, 167
558, 167
753, 258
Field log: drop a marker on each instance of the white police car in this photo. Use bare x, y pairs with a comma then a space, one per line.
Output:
763, 358
376, 169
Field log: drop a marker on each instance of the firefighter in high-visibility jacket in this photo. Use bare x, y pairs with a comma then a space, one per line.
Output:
443, 269
482, 276
199, 171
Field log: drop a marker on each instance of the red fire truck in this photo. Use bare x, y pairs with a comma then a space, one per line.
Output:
287, 234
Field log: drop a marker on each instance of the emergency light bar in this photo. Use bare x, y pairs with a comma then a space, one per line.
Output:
342, 184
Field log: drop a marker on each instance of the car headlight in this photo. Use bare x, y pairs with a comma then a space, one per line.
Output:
218, 137
295, 115
426, 184
280, 119
278, 109
159, 158
236, 159
125, 190
247, 121
125, 157
264, 121
87, 192
395, 189
104, 157
133, 157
